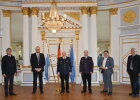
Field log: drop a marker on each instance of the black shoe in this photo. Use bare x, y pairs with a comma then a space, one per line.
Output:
110, 93
33, 92
83, 91
41, 92
12, 93
68, 91
135, 95
62, 91
130, 94
90, 91
103, 91
6, 95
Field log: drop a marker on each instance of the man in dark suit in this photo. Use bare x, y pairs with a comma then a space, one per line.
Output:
8, 71
86, 70
64, 70
107, 65
133, 69
37, 63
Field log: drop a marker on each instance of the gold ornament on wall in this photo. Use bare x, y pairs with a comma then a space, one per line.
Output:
93, 10
113, 11
77, 32
84, 10
43, 33
25, 11
75, 15
34, 10
6, 13
129, 16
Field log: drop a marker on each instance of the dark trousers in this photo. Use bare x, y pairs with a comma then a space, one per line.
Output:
134, 79
86, 77
107, 80
64, 77
35, 75
7, 79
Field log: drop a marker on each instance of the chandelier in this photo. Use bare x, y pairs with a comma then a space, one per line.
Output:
55, 21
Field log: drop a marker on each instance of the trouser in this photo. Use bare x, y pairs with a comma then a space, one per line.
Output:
35, 75
134, 79
7, 79
107, 81
64, 77
86, 77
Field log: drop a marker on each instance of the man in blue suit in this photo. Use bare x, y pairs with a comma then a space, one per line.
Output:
64, 70
107, 65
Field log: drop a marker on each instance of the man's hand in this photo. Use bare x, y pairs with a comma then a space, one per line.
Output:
103, 67
4, 75
69, 73
91, 72
58, 73
15, 74
139, 74
80, 72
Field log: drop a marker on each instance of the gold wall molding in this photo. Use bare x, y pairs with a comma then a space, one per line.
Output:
84, 10
113, 11
6, 13
43, 33
25, 11
34, 10
93, 10
77, 32
129, 16
75, 15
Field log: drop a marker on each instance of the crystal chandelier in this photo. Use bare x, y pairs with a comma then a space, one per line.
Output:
55, 21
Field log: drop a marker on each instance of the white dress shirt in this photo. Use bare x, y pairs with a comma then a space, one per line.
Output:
104, 62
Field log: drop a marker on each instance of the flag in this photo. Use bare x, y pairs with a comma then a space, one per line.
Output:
46, 67
59, 52
72, 77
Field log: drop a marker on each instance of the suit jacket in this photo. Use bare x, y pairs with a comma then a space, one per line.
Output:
8, 65
35, 63
86, 65
135, 63
64, 65
109, 64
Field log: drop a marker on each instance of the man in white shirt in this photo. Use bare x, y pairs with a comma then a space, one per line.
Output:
107, 65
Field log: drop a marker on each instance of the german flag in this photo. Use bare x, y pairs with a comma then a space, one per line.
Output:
59, 51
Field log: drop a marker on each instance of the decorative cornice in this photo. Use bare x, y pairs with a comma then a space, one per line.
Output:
34, 10
6, 13
25, 11
113, 11
84, 10
93, 10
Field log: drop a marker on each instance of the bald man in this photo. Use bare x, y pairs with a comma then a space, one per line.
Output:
133, 69
37, 63
64, 70
86, 70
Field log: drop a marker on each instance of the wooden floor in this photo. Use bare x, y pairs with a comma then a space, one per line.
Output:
120, 92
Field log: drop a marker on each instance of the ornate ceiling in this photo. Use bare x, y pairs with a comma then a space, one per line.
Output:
99, 2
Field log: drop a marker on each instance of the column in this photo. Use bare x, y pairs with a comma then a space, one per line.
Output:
34, 33
114, 20
93, 34
6, 31
84, 11
26, 54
